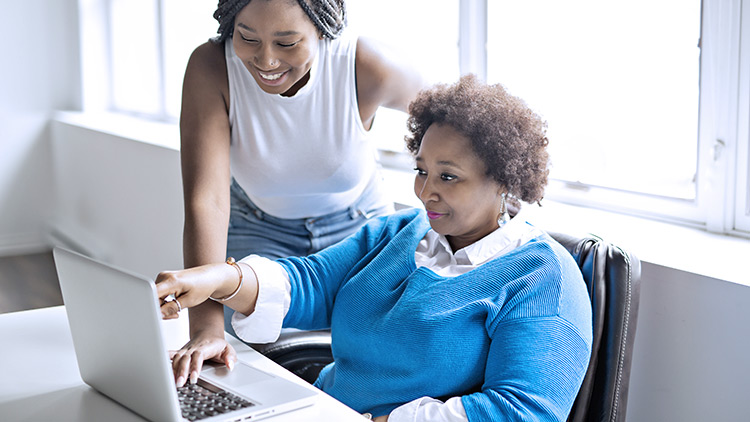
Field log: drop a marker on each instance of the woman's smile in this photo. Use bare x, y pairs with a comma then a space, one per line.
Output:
273, 78
434, 215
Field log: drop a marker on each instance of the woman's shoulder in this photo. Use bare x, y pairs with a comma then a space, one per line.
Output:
392, 224
206, 83
538, 265
404, 216
209, 55
547, 252
372, 64
384, 77
208, 62
345, 45
537, 280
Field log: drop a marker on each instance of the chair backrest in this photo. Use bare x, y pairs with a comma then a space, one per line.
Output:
613, 280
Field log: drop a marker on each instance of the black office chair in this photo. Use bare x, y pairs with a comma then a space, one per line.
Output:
613, 279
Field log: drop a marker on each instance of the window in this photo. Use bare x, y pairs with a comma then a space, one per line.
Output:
186, 25
648, 102
623, 109
135, 52
623, 112
641, 105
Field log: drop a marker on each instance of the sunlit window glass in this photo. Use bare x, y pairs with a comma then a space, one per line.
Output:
617, 83
134, 63
187, 24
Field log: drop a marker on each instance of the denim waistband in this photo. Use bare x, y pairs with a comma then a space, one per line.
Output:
371, 203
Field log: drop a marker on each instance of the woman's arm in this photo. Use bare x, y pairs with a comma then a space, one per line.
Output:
204, 132
534, 369
205, 137
234, 285
383, 80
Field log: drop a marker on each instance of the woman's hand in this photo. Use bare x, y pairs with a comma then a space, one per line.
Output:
188, 361
192, 287
383, 418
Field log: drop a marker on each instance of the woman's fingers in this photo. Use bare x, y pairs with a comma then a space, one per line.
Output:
183, 289
196, 364
170, 311
169, 291
168, 283
180, 364
188, 361
228, 357
187, 366
176, 292
171, 307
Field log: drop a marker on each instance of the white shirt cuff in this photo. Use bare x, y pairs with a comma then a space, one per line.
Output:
264, 324
428, 409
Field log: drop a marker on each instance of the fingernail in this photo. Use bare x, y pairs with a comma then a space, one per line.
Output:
180, 381
193, 377
230, 365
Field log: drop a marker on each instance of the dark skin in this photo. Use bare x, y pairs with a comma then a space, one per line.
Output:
277, 42
461, 201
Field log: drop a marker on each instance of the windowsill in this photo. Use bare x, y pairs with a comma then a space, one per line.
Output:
669, 245
151, 132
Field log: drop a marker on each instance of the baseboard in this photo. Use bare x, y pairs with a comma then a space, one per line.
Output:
23, 244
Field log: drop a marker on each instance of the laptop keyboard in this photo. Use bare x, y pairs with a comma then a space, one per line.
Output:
203, 400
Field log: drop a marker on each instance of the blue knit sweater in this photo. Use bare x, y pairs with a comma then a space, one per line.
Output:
516, 330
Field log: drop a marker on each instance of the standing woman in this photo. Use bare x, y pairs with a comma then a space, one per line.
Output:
275, 160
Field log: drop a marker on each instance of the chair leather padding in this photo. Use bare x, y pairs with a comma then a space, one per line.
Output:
612, 277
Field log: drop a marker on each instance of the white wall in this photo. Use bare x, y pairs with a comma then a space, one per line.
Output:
118, 199
691, 360
39, 74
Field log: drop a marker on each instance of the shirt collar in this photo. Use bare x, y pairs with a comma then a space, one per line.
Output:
501, 241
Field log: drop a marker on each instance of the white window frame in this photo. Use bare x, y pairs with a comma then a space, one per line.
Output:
742, 188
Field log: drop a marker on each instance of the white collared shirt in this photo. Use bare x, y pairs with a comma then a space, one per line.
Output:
433, 252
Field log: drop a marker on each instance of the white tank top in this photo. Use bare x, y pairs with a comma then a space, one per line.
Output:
302, 156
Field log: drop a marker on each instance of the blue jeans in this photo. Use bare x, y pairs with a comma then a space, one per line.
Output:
252, 231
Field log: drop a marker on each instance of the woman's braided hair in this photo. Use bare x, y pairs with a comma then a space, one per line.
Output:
328, 16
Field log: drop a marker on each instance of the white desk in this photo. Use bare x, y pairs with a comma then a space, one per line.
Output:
39, 378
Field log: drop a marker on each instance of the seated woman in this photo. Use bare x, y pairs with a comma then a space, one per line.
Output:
457, 301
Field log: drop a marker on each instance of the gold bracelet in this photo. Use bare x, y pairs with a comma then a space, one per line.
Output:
233, 263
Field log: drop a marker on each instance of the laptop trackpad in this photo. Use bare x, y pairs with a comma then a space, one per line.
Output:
241, 375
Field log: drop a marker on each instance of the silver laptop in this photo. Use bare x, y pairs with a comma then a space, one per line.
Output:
114, 318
